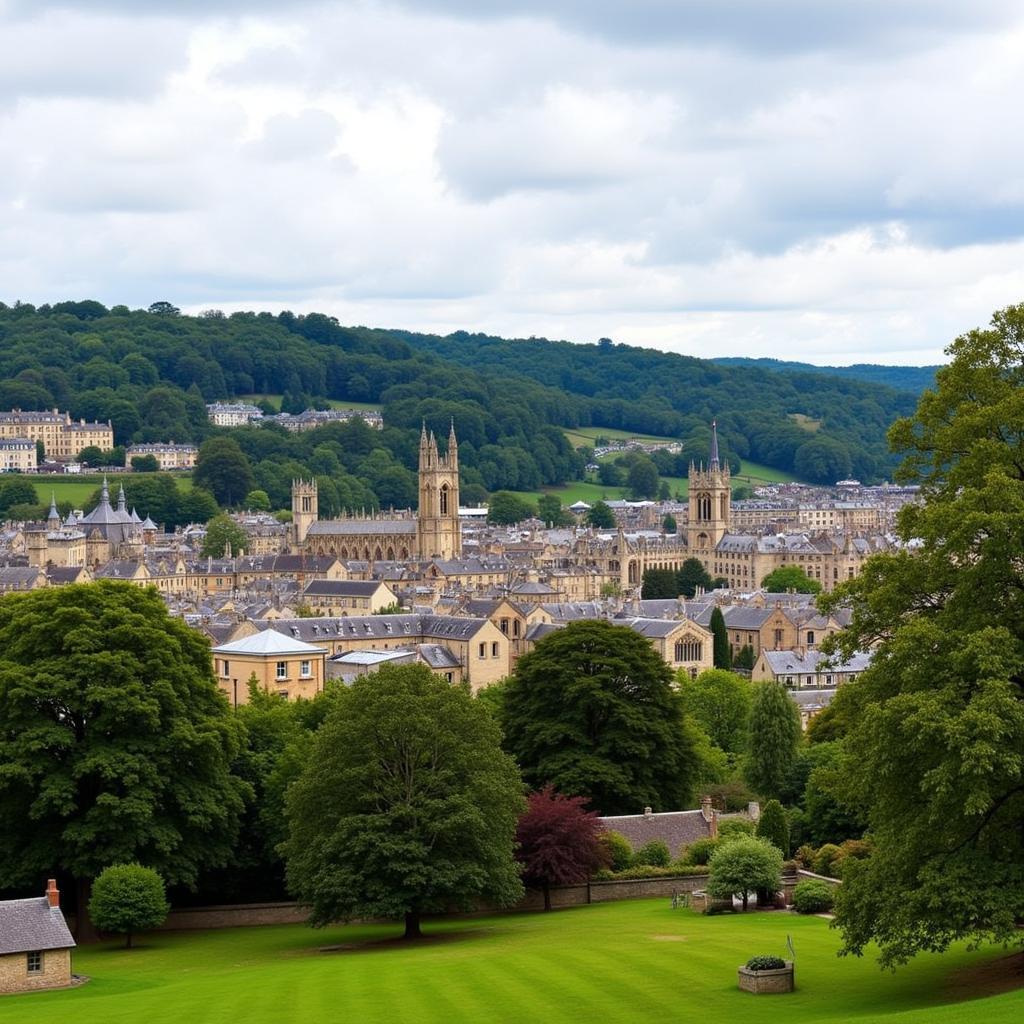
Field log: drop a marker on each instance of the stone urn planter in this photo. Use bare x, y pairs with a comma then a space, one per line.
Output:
767, 982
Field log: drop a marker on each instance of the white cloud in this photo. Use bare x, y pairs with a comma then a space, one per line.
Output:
689, 176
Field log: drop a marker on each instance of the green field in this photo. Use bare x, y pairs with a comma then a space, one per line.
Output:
79, 489
634, 961
334, 403
580, 436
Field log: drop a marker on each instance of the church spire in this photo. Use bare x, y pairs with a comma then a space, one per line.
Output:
713, 464
453, 446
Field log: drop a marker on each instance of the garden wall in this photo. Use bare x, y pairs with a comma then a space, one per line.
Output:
247, 915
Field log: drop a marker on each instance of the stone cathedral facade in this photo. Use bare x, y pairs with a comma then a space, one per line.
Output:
432, 532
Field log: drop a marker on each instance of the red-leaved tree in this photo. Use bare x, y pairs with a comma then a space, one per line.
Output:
559, 841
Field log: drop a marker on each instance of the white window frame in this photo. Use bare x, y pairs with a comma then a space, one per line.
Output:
281, 670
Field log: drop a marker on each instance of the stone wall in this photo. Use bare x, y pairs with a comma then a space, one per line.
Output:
249, 914
56, 972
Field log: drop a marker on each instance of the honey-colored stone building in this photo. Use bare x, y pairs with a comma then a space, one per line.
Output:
35, 944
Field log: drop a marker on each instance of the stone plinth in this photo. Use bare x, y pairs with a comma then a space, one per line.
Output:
767, 982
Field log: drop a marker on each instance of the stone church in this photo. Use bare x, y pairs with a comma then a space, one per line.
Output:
432, 532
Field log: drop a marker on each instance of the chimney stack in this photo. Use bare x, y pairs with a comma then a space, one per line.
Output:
647, 812
53, 893
705, 807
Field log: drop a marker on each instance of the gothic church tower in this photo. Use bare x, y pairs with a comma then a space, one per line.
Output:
437, 522
305, 509
710, 503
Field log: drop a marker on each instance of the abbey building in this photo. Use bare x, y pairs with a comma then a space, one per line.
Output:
432, 532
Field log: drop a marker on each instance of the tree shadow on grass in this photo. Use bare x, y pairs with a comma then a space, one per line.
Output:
394, 943
988, 978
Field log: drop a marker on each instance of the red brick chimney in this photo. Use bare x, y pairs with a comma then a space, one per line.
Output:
53, 893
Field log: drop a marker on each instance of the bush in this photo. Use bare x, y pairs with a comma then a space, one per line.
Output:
733, 827
852, 849
127, 898
655, 854
805, 856
618, 849
743, 866
730, 796
699, 852
812, 897
774, 826
765, 963
824, 860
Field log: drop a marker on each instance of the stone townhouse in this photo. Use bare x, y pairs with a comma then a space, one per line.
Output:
336, 598
281, 663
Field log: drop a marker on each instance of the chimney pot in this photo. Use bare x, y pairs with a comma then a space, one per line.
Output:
53, 893
647, 812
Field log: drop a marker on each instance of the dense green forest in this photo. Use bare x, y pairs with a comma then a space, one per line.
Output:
150, 372
902, 378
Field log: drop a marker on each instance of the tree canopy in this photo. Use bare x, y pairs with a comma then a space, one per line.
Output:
932, 752
744, 865
115, 743
222, 532
790, 577
406, 804
592, 711
128, 898
774, 738
720, 701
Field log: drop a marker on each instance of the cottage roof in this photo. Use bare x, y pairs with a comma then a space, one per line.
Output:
28, 925
674, 828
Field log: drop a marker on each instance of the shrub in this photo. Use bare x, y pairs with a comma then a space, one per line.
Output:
812, 897
655, 854
805, 856
824, 860
127, 898
733, 827
618, 849
730, 796
765, 963
774, 827
743, 866
852, 849
699, 852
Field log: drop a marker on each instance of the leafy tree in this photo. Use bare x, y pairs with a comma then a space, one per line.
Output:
654, 854
790, 577
223, 470
507, 509
40, 452
145, 464
659, 583
720, 701
826, 818
164, 308
692, 575
618, 852
128, 898
558, 841
774, 738
668, 524
549, 508
405, 806
17, 491
744, 658
642, 478
257, 501
774, 826
195, 506
91, 455
722, 651
932, 754
609, 475
601, 517
592, 711
115, 741
743, 866
222, 531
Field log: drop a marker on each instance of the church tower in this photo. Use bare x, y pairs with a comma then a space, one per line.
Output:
710, 503
305, 509
437, 523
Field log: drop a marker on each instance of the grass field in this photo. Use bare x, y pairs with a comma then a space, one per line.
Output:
334, 403
580, 436
635, 961
78, 489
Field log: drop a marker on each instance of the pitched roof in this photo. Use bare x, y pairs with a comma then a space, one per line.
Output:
27, 925
269, 641
342, 588
674, 828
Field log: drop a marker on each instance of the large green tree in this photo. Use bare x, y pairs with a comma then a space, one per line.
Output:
223, 469
790, 577
506, 509
406, 805
693, 575
934, 747
592, 710
774, 739
115, 743
600, 516
720, 701
223, 532
721, 649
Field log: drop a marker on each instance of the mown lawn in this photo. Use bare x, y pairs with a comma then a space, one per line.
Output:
624, 962
334, 403
79, 489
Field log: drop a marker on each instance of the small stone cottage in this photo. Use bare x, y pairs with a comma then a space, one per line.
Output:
35, 944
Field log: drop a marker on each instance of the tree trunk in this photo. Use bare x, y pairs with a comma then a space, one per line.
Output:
127, 940
412, 925
84, 929
547, 895
746, 896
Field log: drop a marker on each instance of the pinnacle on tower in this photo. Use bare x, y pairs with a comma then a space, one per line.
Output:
713, 465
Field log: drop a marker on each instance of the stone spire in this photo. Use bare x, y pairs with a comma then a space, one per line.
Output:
453, 446
713, 464
122, 501
53, 519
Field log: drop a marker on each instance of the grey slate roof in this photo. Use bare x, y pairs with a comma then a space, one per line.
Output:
674, 828
28, 925
810, 662
362, 527
383, 627
342, 588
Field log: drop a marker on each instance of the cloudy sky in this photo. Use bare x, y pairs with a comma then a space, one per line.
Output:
827, 181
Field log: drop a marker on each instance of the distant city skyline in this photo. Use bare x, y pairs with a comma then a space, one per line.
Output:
828, 183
